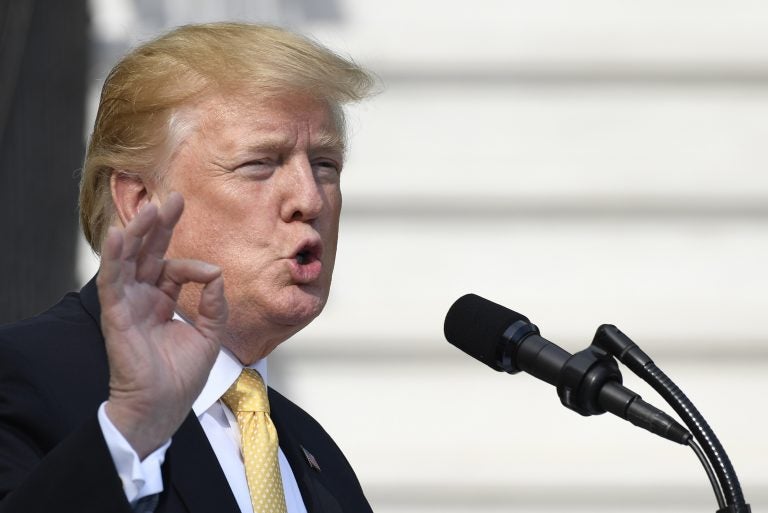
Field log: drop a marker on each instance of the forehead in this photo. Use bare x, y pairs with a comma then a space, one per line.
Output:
279, 120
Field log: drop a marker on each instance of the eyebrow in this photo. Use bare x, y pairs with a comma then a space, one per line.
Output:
333, 141
326, 140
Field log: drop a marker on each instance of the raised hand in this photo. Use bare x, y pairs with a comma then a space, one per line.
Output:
157, 365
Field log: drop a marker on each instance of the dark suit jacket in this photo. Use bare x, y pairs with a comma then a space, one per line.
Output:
53, 457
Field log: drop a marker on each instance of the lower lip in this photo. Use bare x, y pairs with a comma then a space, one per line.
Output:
305, 273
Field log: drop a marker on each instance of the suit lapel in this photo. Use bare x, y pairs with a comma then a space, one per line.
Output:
315, 491
192, 469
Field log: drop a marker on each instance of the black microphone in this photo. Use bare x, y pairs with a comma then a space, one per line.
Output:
588, 382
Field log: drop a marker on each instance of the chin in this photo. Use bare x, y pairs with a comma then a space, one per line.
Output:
302, 311
297, 306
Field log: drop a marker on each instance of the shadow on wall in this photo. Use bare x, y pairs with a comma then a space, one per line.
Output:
43, 59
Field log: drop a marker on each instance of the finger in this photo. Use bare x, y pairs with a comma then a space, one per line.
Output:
137, 229
159, 237
171, 209
212, 310
177, 272
110, 269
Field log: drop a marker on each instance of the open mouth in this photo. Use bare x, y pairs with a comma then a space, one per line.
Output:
307, 254
306, 264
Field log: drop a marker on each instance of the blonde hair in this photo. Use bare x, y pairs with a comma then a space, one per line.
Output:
142, 113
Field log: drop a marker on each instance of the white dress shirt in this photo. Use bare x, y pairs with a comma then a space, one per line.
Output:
144, 478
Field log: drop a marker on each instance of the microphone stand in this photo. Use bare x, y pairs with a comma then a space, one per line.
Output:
610, 339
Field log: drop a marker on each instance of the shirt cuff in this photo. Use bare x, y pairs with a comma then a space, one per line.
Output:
140, 478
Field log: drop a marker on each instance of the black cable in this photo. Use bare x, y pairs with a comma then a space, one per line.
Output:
612, 340
700, 429
710, 473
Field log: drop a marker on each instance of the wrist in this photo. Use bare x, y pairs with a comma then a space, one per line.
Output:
145, 433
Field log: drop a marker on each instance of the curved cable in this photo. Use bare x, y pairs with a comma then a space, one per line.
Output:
710, 473
700, 429
611, 339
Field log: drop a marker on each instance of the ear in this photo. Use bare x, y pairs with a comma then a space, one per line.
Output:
129, 194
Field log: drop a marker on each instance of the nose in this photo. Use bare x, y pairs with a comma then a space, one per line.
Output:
303, 196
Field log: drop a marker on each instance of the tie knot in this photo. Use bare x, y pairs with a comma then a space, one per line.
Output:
247, 393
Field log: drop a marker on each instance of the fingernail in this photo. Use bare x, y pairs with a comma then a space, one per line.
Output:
211, 268
145, 206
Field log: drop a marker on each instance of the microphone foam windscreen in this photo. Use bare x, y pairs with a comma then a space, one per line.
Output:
475, 325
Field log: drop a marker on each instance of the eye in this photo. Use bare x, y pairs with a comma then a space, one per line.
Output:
258, 168
326, 169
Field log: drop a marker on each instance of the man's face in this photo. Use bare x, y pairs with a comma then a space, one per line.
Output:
260, 179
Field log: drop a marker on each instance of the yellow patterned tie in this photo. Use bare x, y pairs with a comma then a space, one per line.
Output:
247, 398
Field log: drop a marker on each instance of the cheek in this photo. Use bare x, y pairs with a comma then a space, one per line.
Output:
333, 200
189, 240
197, 236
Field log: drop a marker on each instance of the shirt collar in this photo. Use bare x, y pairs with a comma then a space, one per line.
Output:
224, 372
226, 369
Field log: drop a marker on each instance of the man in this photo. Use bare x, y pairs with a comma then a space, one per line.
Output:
211, 191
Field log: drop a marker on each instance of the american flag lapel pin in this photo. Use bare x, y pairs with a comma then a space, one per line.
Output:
311, 460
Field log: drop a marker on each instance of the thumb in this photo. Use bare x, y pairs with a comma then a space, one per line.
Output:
212, 310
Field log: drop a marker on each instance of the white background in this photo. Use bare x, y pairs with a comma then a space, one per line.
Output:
581, 162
